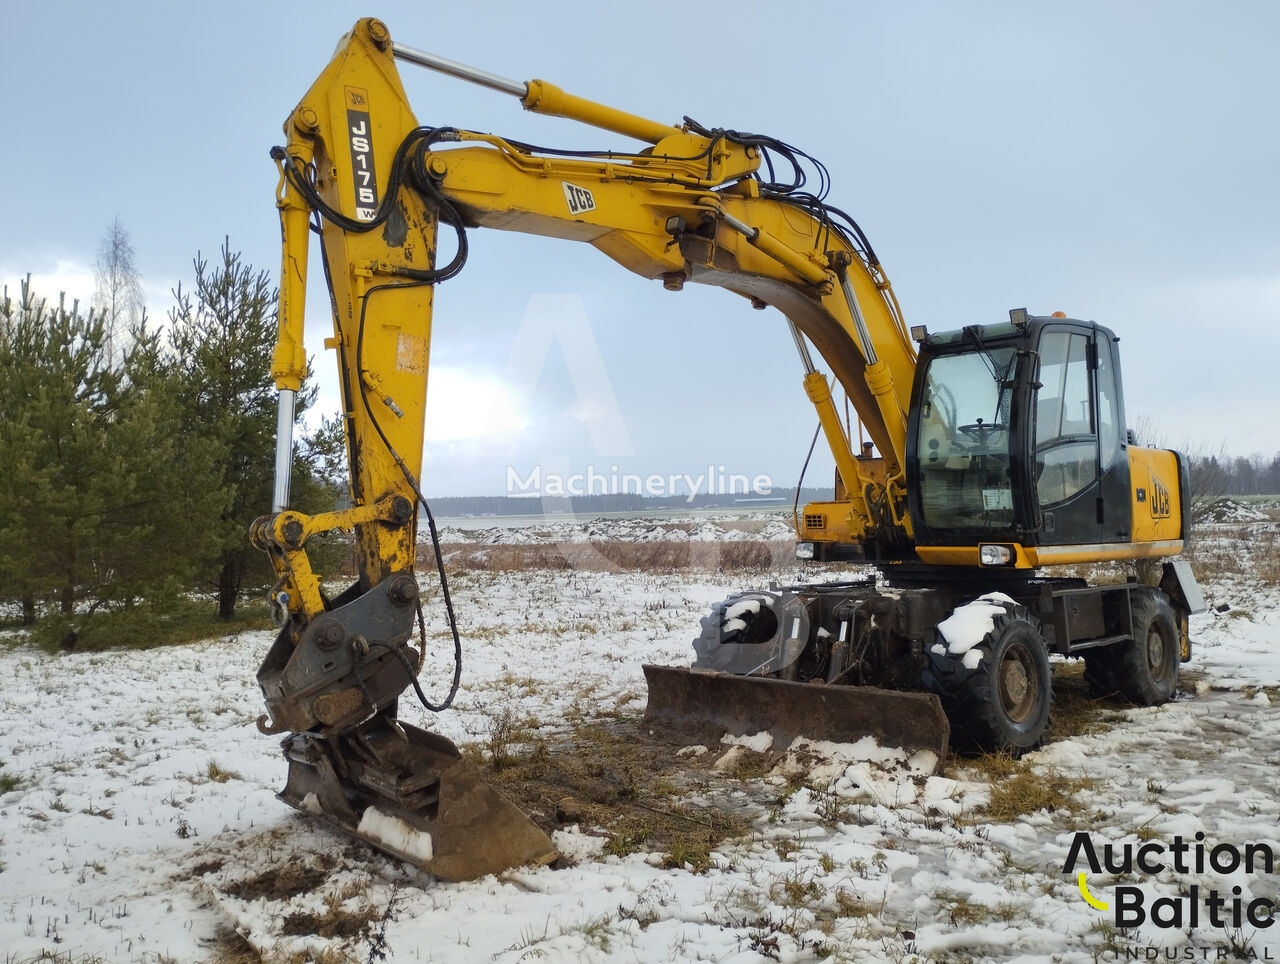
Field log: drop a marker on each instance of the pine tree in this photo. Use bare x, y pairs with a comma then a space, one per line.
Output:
98, 497
58, 391
223, 333
160, 489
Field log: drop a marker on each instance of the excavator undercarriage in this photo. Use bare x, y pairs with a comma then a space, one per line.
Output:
921, 658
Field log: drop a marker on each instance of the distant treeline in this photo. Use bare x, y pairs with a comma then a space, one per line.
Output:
1212, 477
501, 505
1219, 475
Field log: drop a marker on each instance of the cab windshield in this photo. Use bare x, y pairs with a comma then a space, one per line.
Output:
963, 441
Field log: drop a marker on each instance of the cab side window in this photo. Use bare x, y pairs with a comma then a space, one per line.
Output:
1108, 407
1066, 427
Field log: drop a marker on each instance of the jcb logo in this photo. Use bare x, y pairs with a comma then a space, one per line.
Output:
1160, 503
579, 198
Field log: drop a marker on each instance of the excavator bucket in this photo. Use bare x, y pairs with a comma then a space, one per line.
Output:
703, 705
409, 793
403, 789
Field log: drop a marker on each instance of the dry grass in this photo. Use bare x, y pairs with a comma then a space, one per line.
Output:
216, 773
1267, 557
231, 948
1031, 792
690, 851
604, 773
1074, 711
1017, 789
618, 556
1251, 550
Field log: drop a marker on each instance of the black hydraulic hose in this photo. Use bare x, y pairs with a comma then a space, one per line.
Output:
795, 506
431, 522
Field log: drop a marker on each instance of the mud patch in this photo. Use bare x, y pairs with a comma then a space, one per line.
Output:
278, 883
338, 923
614, 780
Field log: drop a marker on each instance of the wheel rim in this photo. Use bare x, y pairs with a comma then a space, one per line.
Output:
1017, 684
1157, 653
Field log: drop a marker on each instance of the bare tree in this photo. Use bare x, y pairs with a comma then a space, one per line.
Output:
1211, 469
118, 293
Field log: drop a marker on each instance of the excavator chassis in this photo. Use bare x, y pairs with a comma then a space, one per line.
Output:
839, 661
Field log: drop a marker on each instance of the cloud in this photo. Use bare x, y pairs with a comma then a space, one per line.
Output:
71, 278
464, 406
77, 281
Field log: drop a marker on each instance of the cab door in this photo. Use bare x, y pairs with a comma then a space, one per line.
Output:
1080, 466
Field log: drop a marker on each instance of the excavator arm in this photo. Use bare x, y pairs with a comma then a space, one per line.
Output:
690, 206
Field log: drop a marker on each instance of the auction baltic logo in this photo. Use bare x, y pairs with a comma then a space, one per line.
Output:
1230, 911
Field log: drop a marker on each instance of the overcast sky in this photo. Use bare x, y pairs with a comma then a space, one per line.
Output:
1114, 160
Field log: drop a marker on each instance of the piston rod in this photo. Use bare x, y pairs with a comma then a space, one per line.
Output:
284, 450
453, 68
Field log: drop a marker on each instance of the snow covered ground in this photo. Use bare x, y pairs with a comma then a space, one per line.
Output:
138, 818
719, 527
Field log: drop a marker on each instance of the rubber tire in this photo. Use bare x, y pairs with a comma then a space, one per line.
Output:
1142, 679
980, 720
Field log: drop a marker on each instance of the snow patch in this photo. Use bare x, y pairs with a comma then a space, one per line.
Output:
158, 716
851, 769
311, 804
969, 624
575, 845
757, 741
741, 608
394, 833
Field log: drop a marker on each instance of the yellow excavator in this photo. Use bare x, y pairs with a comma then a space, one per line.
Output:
1001, 450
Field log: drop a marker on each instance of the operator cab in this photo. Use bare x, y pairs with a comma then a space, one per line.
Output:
1016, 436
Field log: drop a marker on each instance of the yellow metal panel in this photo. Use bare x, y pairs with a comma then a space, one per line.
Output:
829, 522
1033, 557
1157, 495
1067, 555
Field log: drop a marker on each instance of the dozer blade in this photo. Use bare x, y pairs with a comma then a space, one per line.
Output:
409, 793
706, 704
